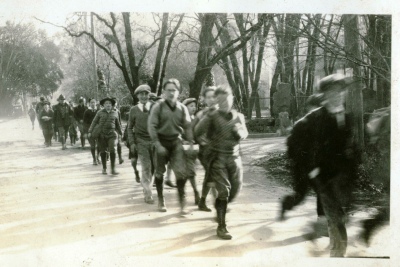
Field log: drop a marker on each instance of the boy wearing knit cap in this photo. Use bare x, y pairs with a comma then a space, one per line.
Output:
225, 128
139, 138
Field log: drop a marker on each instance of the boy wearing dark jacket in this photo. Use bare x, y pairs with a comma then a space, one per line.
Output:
225, 128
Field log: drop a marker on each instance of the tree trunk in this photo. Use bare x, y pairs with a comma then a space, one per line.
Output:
206, 41
355, 98
160, 52
131, 56
165, 61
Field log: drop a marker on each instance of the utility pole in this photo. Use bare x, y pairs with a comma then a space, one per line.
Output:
94, 56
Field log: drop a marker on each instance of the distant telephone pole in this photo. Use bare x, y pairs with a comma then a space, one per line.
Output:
94, 56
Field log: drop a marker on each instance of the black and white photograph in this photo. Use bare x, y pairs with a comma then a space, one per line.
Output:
198, 133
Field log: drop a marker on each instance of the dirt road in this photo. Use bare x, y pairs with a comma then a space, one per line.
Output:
59, 210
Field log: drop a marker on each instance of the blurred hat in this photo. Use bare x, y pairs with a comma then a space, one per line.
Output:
61, 97
188, 101
107, 99
143, 88
42, 98
81, 99
315, 100
326, 82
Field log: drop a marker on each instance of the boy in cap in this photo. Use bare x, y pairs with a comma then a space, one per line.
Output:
119, 146
168, 120
325, 156
62, 119
109, 127
139, 138
79, 111
225, 128
46, 118
88, 118
39, 108
191, 104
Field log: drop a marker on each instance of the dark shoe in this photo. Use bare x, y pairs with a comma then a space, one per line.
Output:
170, 184
114, 172
223, 233
95, 162
121, 161
196, 198
203, 206
137, 177
161, 205
104, 171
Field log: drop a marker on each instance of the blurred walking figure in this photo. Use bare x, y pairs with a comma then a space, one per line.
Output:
301, 187
63, 119
204, 148
39, 108
139, 139
106, 128
88, 118
46, 118
325, 156
32, 116
191, 104
168, 120
225, 128
79, 112
119, 139
378, 129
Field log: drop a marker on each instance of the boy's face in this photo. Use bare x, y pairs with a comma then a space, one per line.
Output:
192, 108
335, 95
93, 103
143, 97
209, 98
171, 93
107, 105
225, 102
46, 107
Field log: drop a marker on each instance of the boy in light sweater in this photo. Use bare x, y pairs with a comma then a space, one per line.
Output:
168, 120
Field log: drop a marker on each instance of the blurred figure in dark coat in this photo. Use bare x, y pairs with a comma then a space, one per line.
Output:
324, 156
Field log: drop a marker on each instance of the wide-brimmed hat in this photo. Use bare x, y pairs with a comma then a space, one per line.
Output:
61, 97
107, 99
326, 82
143, 88
188, 101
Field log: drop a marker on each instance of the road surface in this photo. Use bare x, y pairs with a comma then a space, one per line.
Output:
59, 210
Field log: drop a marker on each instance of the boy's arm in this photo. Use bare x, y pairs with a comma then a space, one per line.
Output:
131, 125
153, 122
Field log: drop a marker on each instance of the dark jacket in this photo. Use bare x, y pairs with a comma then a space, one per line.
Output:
88, 118
62, 115
79, 112
46, 125
221, 133
109, 123
316, 141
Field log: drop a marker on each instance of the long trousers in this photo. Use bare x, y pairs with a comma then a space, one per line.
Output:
144, 150
63, 133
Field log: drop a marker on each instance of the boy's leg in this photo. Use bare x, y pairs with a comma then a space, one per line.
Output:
178, 164
159, 165
144, 152
235, 176
112, 143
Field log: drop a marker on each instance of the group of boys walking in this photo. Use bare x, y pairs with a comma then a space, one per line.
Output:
165, 132
169, 132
